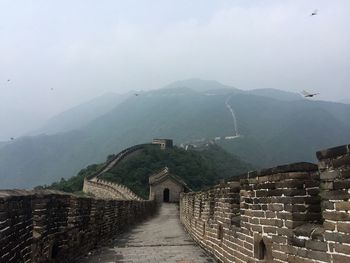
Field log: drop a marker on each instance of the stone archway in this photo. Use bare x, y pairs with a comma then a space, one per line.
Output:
166, 195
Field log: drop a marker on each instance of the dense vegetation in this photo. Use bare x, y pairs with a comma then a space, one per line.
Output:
198, 168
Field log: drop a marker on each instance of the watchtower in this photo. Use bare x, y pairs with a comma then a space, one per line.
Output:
166, 187
164, 143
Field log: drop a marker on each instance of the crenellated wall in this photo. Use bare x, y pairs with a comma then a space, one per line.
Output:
50, 226
108, 190
104, 189
292, 213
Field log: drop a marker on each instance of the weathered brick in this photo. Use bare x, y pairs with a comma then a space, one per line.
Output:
271, 222
332, 152
295, 208
322, 256
343, 227
344, 160
275, 207
335, 195
340, 258
316, 245
329, 175
345, 173
336, 216
341, 184
328, 205
271, 230
328, 225
337, 237
345, 249
342, 206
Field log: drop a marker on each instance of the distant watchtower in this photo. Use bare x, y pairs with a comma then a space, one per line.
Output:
164, 143
166, 187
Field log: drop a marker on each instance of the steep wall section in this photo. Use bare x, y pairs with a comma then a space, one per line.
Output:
292, 213
50, 226
103, 189
108, 190
119, 157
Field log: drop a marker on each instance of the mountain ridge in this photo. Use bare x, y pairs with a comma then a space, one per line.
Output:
271, 132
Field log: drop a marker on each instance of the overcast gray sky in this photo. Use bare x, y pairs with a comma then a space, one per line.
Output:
84, 48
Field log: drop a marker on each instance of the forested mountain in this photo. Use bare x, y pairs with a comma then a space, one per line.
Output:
271, 131
198, 168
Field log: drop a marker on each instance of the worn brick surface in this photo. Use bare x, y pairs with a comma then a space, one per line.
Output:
51, 226
289, 213
161, 239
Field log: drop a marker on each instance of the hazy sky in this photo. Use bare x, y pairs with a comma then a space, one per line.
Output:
58, 54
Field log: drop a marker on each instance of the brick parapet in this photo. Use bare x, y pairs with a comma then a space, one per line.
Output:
108, 190
290, 213
50, 226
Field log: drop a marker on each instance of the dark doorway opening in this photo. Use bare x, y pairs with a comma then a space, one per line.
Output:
54, 251
262, 250
166, 195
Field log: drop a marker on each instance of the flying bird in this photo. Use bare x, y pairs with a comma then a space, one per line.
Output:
12, 138
308, 95
8, 80
136, 94
314, 12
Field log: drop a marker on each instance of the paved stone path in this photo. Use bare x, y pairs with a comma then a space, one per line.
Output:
161, 239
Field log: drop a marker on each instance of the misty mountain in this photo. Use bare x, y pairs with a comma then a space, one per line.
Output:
201, 85
211, 87
276, 94
345, 101
272, 131
3, 144
81, 115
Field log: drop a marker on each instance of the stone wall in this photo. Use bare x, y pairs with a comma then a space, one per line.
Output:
108, 190
291, 213
120, 157
50, 226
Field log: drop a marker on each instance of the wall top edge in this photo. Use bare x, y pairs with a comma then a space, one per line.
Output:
333, 152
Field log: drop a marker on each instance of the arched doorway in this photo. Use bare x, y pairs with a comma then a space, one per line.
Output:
166, 195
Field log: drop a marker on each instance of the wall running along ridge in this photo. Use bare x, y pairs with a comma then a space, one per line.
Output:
108, 190
51, 226
103, 189
292, 213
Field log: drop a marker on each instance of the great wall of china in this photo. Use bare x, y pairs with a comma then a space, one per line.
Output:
49, 226
292, 213
103, 189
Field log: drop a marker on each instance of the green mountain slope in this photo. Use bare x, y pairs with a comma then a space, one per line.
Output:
272, 132
198, 168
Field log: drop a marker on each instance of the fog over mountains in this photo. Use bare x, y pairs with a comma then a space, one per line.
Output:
274, 127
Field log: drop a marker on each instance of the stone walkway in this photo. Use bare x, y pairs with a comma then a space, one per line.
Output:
161, 239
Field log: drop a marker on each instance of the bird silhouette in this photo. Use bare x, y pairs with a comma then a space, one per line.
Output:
12, 138
314, 12
308, 95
